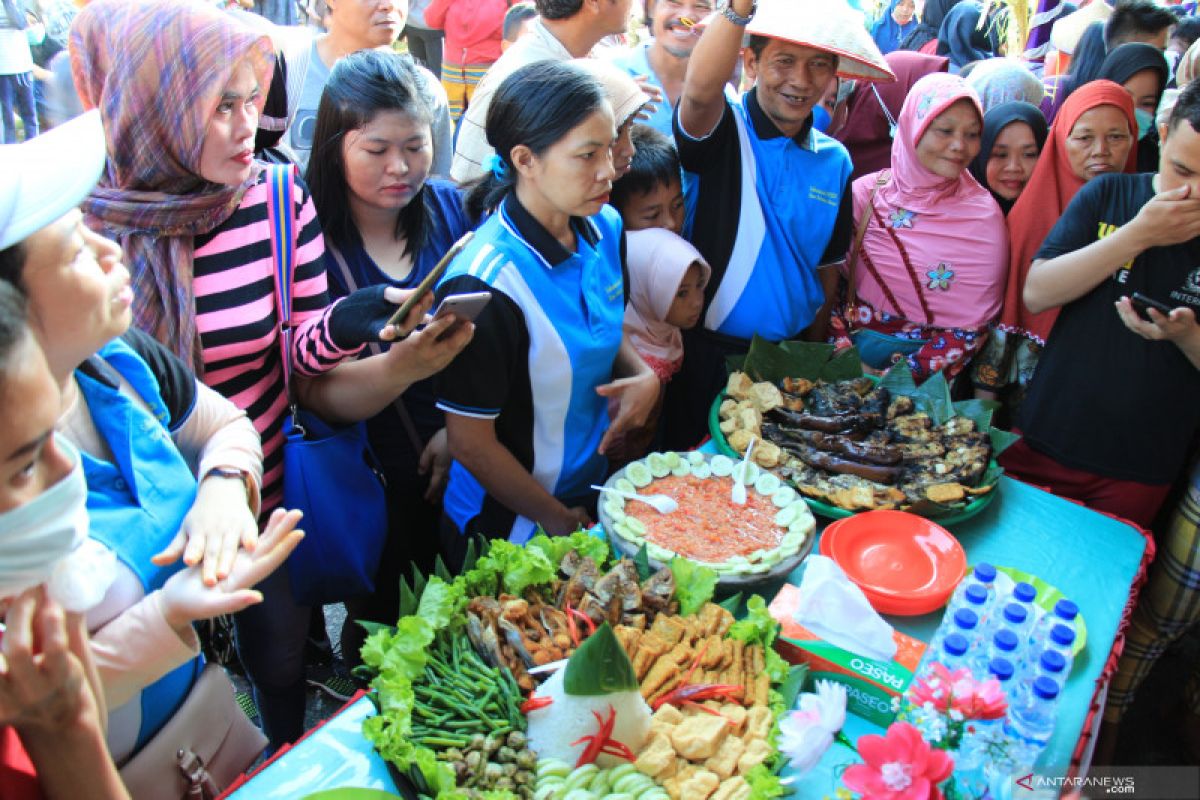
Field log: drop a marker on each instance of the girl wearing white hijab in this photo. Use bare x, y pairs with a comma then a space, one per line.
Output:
667, 276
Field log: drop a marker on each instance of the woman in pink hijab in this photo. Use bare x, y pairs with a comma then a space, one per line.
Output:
667, 276
927, 268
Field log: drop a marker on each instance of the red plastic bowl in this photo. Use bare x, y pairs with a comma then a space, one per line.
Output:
905, 564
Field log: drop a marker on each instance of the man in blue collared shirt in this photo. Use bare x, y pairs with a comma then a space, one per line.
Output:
663, 60
768, 196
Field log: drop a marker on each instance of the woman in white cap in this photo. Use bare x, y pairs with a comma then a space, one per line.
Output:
139, 419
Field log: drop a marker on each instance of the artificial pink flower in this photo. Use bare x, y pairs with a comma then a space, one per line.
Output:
939, 687
979, 700
898, 766
806, 734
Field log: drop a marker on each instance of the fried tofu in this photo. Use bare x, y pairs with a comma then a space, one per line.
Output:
736, 715
716, 619
758, 724
734, 788
762, 689
650, 647
699, 786
724, 762
756, 752
657, 757
738, 386
698, 738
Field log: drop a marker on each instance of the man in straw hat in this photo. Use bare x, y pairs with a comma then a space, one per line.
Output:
768, 196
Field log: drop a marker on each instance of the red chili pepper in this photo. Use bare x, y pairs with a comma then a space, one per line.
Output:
534, 703
695, 693
571, 627
601, 742
708, 710
591, 626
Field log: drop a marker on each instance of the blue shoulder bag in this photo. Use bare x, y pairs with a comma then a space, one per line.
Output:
329, 473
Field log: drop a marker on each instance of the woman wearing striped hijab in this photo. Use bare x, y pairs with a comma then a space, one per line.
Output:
180, 87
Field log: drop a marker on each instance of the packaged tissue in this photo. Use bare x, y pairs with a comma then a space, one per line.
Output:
829, 625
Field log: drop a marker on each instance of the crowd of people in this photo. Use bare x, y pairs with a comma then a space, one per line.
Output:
645, 194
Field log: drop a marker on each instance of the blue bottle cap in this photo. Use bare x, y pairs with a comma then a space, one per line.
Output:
1024, 592
1053, 661
985, 572
956, 644
1045, 688
1015, 613
1062, 635
1066, 609
1005, 640
976, 594
1001, 669
966, 619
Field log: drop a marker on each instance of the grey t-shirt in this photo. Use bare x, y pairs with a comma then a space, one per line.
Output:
299, 136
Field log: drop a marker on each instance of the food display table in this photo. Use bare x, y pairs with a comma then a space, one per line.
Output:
1091, 558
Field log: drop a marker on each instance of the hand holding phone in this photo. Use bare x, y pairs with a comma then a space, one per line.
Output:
465, 308
1142, 305
426, 286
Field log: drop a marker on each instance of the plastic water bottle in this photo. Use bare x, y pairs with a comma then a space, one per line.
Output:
1025, 594
1065, 613
1051, 666
1030, 723
983, 576
965, 621
1060, 639
1003, 645
1015, 617
977, 747
952, 654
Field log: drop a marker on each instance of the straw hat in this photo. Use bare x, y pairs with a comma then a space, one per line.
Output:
1067, 31
828, 25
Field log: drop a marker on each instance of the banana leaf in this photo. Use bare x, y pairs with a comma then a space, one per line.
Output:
795, 359
599, 666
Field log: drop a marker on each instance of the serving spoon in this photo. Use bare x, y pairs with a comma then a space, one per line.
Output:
739, 488
659, 502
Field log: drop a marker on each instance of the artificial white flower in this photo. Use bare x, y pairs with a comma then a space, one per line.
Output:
806, 734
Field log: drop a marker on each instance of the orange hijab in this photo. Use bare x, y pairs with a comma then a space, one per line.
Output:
1046, 196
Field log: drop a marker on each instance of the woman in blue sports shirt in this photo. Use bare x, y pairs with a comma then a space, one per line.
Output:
526, 401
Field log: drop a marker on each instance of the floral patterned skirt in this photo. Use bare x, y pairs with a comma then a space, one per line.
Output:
933, 349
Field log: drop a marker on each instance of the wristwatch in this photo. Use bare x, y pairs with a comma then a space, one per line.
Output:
232, 474
727, 11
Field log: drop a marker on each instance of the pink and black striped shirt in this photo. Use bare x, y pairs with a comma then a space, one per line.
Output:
234, 286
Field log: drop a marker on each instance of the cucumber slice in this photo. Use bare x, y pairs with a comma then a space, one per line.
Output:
784, 497
702, 471
767, 484
636, 525
625, 485
615, 511
623, 530
639, 474
682, 469
696, 457
791, 542
722, 466
786, 515
761, 567
746, 473
738, 564
771, 557
547, 767
658, 465
659, 553
673, 460
757, 556
803, 525
621, 770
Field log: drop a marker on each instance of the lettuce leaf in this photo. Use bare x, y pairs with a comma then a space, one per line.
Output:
557, 547
694, 584
442, 603
758, 626
511, 567
763, 784
404, 651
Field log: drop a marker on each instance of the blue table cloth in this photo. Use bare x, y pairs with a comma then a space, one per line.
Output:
1091, 558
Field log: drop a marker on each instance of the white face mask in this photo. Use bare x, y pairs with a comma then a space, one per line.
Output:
46, 541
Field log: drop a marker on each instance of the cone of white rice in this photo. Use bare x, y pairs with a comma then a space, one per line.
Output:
598, 679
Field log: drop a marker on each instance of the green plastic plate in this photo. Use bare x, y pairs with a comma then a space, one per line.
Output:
833, 512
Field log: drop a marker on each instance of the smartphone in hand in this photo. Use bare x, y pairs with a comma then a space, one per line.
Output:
426, 286
1141, 304
465, 307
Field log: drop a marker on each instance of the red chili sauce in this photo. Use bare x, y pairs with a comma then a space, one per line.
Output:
708, 526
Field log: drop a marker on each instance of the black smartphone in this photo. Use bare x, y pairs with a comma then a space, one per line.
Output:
426, 286
1141, 304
